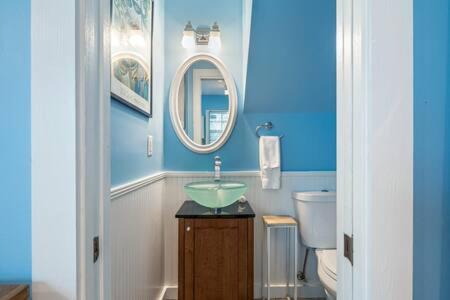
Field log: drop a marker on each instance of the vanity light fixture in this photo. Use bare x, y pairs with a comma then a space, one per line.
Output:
202, 35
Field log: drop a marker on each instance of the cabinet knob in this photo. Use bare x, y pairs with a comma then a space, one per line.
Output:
188, 228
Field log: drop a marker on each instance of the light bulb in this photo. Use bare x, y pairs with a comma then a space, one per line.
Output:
188, 40
136, 39
215, 42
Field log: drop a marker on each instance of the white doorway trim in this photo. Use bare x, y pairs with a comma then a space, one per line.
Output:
374, 147
93, 147
353, 73
198, 76
345, 140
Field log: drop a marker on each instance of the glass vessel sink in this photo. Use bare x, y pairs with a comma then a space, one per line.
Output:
215, 194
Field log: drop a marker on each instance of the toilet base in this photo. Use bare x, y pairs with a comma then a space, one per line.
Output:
326, 269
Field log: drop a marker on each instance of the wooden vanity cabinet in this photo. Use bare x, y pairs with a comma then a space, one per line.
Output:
215, 258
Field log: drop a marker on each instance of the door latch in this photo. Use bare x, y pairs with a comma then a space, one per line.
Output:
348, 247
96, 248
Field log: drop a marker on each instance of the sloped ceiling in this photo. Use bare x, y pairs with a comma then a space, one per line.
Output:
292, 57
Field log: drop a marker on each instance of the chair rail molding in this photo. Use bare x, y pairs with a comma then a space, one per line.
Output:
136, 184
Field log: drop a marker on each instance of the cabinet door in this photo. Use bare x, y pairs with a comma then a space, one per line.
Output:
217, 259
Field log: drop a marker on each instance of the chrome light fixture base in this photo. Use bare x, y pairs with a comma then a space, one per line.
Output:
201, 36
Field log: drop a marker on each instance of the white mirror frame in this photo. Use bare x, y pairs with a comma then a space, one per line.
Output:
232, 104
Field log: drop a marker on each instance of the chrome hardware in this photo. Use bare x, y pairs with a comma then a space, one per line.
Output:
348, 247
96, 248
188, 228
266, 126
242, 199
217, 165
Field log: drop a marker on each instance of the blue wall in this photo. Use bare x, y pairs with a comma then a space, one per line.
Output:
129, 128
129, 131
310, 133
431, 150
214, 102
292, 61
15, 137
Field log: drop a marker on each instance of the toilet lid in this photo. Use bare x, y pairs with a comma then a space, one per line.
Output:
328, 261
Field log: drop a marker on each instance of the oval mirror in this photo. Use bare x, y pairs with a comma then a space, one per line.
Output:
203, 103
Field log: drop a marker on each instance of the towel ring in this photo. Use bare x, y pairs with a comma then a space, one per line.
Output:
266, 126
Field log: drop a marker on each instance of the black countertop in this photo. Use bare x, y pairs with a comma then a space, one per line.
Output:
192, 210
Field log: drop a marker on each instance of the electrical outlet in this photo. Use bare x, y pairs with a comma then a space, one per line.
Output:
149, 145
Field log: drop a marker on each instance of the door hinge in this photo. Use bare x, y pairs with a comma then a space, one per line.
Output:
348, 247
96, 248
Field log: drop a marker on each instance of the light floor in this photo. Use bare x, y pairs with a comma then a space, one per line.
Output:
281, 299
297, 298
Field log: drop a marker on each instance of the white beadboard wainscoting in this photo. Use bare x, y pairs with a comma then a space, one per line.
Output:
144, 231
263, 202
136, 235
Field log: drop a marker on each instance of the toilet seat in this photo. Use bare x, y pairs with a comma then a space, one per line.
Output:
327, 267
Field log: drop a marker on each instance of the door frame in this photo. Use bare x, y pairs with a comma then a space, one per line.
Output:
353, 47
353, 61
197, 76
93, 146
374, 147
344, 142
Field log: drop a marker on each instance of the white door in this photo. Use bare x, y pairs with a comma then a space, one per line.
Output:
374, 147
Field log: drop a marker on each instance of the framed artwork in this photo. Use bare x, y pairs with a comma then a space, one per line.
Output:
131, 53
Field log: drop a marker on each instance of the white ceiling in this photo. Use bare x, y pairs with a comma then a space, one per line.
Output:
213, 87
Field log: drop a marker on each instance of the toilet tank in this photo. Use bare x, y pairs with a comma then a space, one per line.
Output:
316, 214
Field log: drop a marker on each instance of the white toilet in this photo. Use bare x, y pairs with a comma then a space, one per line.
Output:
316, 214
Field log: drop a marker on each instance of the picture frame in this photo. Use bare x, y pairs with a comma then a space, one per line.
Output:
132, 53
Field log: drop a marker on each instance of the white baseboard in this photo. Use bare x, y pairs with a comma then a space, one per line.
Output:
280, 291
161, 295
170, 292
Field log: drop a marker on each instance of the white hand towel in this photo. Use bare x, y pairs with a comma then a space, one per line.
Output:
269, 162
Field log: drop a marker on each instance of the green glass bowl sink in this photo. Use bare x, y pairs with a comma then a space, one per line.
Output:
215, 194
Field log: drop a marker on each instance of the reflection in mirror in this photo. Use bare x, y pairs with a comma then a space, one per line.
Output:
203, 104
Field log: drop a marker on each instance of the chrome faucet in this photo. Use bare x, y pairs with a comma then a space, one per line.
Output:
217, 165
